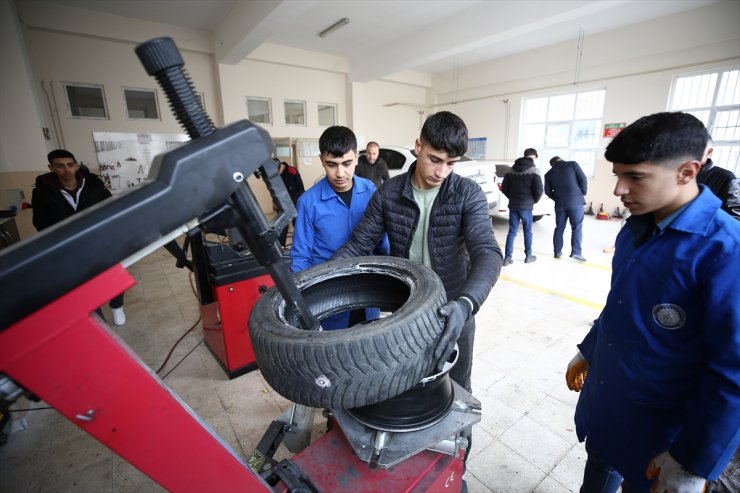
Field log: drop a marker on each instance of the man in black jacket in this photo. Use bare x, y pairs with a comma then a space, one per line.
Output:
523, 187
372, 166
67, 189
440, 219
294, 184
566, 184
722, 182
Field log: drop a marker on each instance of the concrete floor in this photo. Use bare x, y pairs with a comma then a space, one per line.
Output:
527, 332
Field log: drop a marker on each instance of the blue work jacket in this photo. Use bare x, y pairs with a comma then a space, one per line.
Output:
664, 355
324, 223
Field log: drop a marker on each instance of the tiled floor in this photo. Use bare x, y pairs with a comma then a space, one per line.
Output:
527, 331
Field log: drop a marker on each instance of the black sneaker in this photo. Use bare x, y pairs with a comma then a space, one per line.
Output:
580, 258
508, 261
530, 259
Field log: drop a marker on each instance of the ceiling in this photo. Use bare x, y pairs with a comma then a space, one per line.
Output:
387, 36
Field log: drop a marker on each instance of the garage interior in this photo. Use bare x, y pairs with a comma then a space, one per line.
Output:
525, 335
536, 313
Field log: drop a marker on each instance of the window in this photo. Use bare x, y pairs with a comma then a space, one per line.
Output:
714, 98
295, 112
259, 110
327, 114
565, 125
141, 104
85, 100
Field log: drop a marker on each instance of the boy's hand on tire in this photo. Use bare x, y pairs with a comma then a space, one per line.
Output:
456, 313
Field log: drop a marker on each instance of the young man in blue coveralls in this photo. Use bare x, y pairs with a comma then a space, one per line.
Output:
329, 211
660, 409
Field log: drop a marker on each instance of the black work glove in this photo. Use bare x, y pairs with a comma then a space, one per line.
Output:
456, 314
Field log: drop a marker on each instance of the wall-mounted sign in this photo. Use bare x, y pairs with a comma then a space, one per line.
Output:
125, 158
477, 148
612, 129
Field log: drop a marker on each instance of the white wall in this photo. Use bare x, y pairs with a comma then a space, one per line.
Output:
635, 65
59, 57
21, 138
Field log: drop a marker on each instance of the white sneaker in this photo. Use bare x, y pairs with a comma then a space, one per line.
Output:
119, 318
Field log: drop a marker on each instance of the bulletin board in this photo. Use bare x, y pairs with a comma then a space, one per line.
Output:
125, 158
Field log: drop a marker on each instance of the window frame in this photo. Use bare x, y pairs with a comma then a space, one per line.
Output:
269, 109
285, 113
572, 150
334, 106
65, 85
726, 151
141, 89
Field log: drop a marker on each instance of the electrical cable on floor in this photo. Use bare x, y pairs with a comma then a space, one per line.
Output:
29, 409
192, 287
175, 345
183, 359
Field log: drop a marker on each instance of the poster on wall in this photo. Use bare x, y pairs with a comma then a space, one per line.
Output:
125, 158
477, 148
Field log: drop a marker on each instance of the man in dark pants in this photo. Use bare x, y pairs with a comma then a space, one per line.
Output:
523, 187
439, 219
566, 184
658, 371
67, 189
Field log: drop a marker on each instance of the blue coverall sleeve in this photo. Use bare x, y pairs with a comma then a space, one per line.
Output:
711, 432
301, 253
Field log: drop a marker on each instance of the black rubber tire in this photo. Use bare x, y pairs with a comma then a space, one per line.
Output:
362, 365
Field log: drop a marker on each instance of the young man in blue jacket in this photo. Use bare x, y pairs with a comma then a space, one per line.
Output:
566, 185
660, 406
330, 210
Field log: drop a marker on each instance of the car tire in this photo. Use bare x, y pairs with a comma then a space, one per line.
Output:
367, 363
536, 218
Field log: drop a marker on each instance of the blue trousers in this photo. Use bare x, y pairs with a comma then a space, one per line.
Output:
600, 477
575, 216
515, 216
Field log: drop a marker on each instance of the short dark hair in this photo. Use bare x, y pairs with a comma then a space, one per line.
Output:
554, 160
59, 153
530, 152
445, 131
659, 139
337, 141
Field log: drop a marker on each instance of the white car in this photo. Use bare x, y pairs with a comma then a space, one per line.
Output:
399, 159
545, 206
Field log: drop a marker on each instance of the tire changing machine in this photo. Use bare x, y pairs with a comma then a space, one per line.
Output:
54, 346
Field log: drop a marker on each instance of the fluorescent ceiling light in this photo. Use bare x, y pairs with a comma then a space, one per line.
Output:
337, 25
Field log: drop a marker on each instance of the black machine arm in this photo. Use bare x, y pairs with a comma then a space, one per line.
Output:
185, 184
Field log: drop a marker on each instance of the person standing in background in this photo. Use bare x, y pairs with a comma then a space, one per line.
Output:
523, 187
67, 189
722, 182
372, 166
294, 184
566, 184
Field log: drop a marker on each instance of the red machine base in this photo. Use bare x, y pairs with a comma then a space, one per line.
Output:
331, 465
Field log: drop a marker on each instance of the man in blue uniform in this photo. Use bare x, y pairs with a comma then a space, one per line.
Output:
330, 210
660, 406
